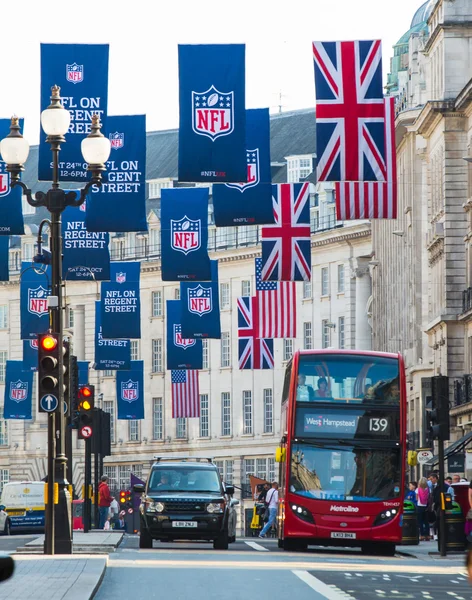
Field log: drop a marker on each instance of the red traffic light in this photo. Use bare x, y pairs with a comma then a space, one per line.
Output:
122, 496
48, 342
85, 391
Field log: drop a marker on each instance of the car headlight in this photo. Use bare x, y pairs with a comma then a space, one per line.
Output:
155, 507
215, 507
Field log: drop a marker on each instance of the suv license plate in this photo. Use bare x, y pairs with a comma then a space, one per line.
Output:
184, 523
343, 535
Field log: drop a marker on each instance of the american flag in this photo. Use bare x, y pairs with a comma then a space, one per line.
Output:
277, 307
185, 393
286, 254
349, 111
373, 199
254, 353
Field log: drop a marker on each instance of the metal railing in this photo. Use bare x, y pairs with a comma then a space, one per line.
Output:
467, 299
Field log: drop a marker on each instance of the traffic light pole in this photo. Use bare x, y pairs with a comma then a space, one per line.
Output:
442, 537
95, 481
87, 482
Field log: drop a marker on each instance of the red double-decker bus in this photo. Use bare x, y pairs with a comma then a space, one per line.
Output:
342, 454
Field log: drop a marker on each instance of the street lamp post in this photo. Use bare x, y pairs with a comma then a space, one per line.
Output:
95, 148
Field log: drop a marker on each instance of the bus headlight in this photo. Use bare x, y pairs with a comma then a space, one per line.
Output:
385, 516
301, 512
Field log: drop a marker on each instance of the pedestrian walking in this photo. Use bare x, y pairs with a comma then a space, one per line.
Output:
104, 501
422, 501
272, 502
411, 494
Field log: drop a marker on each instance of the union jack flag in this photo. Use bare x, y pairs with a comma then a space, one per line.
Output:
286, 252
254, 353
372, 199
277, 307
185, 393
349, 111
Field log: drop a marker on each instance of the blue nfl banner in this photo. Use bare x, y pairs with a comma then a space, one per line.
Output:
30, 354
212, 130
34, 290
120, 203
81, 71
184, 235
11, 213
120, 302
110, 354
130, 391
249, 203
200, 307
182, 353
4, 256
83, 371
86, 254
18, 397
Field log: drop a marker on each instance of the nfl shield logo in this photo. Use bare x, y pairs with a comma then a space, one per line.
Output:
75, 73
253, 176
120, 277
199, 300
129, 390
213, 113
4, 184
38, 301
83, 206
180, 341
18, 390
185, 235
117, 140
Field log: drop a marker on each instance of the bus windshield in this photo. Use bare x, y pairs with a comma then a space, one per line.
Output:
344, 378
345, 472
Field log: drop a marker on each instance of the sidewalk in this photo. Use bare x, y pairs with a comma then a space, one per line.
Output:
54, 577
425, 550
94, 542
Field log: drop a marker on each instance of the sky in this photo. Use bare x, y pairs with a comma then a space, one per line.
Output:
144, 36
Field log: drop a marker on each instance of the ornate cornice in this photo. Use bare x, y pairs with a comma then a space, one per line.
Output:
435, 249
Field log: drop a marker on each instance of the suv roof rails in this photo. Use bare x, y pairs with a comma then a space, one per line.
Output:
183, 459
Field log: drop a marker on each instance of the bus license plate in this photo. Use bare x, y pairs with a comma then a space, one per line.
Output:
184, 523
345, 535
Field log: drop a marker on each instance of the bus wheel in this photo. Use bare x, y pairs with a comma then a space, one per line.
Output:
386, 549
294, 545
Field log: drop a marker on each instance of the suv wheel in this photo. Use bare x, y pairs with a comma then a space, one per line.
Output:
222, 541
145, 539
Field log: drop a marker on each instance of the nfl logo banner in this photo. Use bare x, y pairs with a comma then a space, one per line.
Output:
184, 235
120, 302
34, 291
81, 71
120, 203
182, 353
85, 254
11, 214
212, 130
110, 355
4, 255
200, 307
130, 391
83, 371
30, 355
18, 397
249, 203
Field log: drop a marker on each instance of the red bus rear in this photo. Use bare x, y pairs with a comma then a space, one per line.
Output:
342, 472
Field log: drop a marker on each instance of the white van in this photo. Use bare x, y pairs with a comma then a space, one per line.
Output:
23, 501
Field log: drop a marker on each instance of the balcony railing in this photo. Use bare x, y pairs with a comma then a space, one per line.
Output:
467, 299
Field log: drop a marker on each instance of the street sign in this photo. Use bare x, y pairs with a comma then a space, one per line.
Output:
86, 431
130, 510
49, 403
423, 456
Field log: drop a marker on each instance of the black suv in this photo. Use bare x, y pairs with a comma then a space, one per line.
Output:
186, 500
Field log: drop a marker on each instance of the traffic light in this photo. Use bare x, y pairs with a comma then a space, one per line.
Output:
49, 350
123, 494
71, 381
439, 415
86, 405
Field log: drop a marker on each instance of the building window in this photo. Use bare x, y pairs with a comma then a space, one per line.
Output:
224, 295
109, 407
306, 289
181, 428
288, 349
157, 419
340, 279
4, 478
110, 472
245, 286
133, 430
124, 477
225, 349
3, 364
204, 416
325, 334
3, 430
26, 208
249, 469
225, 413
229, 468
261, 468
155, 242
157, 356
4, 316
307, 336
70, 318
177, 294
268, 411
108, 373
134, 346
247, 412
271, 469
221, 468
341, 332
324, 281
28, 249
157, 304
137, 471
205, 348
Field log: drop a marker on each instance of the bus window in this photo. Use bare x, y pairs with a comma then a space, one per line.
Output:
288, 375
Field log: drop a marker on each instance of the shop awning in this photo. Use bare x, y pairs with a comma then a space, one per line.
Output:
455, 448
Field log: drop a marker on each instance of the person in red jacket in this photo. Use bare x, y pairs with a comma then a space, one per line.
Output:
104, 501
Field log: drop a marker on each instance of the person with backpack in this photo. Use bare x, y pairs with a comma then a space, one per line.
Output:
422, 502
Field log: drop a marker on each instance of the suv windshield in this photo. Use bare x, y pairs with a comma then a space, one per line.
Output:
187, 479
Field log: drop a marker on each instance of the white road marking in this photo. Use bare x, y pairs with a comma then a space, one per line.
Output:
328, 592
257, 546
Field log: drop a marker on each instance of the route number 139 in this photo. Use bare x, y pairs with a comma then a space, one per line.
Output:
378, 424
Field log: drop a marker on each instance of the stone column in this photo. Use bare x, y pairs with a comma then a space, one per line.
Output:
363, 335
79, 331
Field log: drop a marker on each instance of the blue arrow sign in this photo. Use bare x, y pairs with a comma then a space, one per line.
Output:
49, 403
